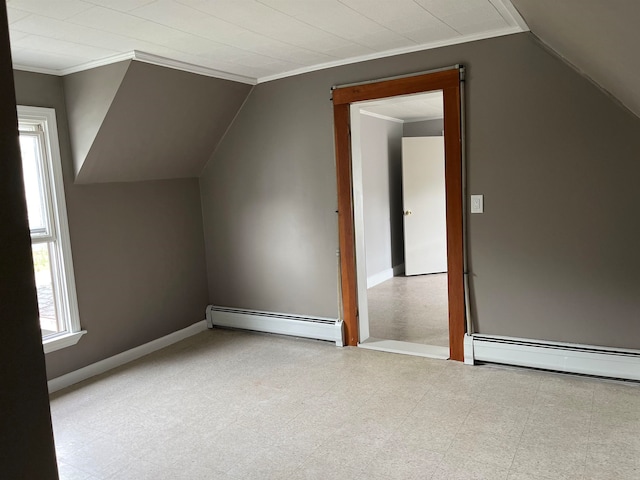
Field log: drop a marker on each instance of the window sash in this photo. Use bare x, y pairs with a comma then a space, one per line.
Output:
39, 124
40, 177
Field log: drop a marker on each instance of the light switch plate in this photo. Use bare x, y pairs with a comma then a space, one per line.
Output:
477, 203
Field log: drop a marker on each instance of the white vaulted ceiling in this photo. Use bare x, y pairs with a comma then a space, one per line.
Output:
249, 40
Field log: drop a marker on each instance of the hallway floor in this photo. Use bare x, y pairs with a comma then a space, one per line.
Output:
237, 405
410, 309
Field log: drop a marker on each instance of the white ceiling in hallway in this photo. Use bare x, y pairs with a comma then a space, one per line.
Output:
255, 39
408, 108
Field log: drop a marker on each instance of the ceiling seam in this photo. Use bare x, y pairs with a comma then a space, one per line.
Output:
224, 135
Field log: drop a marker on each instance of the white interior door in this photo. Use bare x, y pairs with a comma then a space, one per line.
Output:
423, 193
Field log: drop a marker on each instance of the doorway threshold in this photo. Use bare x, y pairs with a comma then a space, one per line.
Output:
405, 348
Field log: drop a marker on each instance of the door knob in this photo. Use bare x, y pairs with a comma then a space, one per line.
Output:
407, 212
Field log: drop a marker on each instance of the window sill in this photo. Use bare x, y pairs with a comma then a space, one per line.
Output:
62, 341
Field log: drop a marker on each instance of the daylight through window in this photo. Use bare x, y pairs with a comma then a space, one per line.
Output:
50, 243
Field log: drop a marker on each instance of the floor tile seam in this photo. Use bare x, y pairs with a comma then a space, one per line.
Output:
408, 414
138, 446
360, 469
295, 417
86, 431
529, 414
364, 467
67, 464
146, 458
474, 461
453, 437
94, 474
588, 449
290, 419
329, 389
298, 463
536, 474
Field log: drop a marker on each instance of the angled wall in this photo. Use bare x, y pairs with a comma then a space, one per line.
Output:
160, 124
553, 257
138, 250
599, 38
88, 99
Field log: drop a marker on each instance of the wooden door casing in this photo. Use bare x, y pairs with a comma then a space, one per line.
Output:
449, 82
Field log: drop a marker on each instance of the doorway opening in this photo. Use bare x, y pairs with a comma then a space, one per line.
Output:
397, 158
353, 272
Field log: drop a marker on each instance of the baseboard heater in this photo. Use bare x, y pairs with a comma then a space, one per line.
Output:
557, 356
295, 325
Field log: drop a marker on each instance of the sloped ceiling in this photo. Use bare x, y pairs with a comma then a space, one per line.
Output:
160, 124
88, 96
600, 39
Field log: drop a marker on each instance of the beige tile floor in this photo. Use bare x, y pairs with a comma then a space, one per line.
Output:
238, 405
410, 309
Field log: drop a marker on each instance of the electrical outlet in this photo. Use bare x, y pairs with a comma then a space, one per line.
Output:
477, 203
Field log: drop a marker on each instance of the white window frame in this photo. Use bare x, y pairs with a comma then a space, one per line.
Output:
58, 237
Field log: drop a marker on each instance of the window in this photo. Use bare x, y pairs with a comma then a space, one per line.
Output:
50, 244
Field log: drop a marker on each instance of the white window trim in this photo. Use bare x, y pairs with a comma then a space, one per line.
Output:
47, 118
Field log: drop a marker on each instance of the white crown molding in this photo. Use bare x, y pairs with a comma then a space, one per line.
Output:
399, 120
121, 57
396, 51
510, 13
424, 119
504, 7
146, 58
381, 117
27, 68
191, 68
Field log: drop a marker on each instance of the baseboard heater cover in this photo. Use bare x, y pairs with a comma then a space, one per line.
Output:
557, 356
318, 328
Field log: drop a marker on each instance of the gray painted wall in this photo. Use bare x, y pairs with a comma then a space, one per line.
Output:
554, 257
425, 128
26, 442
381, 144
161, 124
138, 251
269, 201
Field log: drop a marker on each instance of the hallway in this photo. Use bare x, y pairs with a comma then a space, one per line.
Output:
411, 309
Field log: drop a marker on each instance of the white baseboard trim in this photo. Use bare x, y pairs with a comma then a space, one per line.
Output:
102, 366
383, 276
468, 349
557, 356
318, 328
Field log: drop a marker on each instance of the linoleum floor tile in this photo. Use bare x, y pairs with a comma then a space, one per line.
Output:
412, 309
228, 405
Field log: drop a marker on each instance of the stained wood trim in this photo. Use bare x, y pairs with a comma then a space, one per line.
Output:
341, 118
449, 82
400, 86
453, 183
